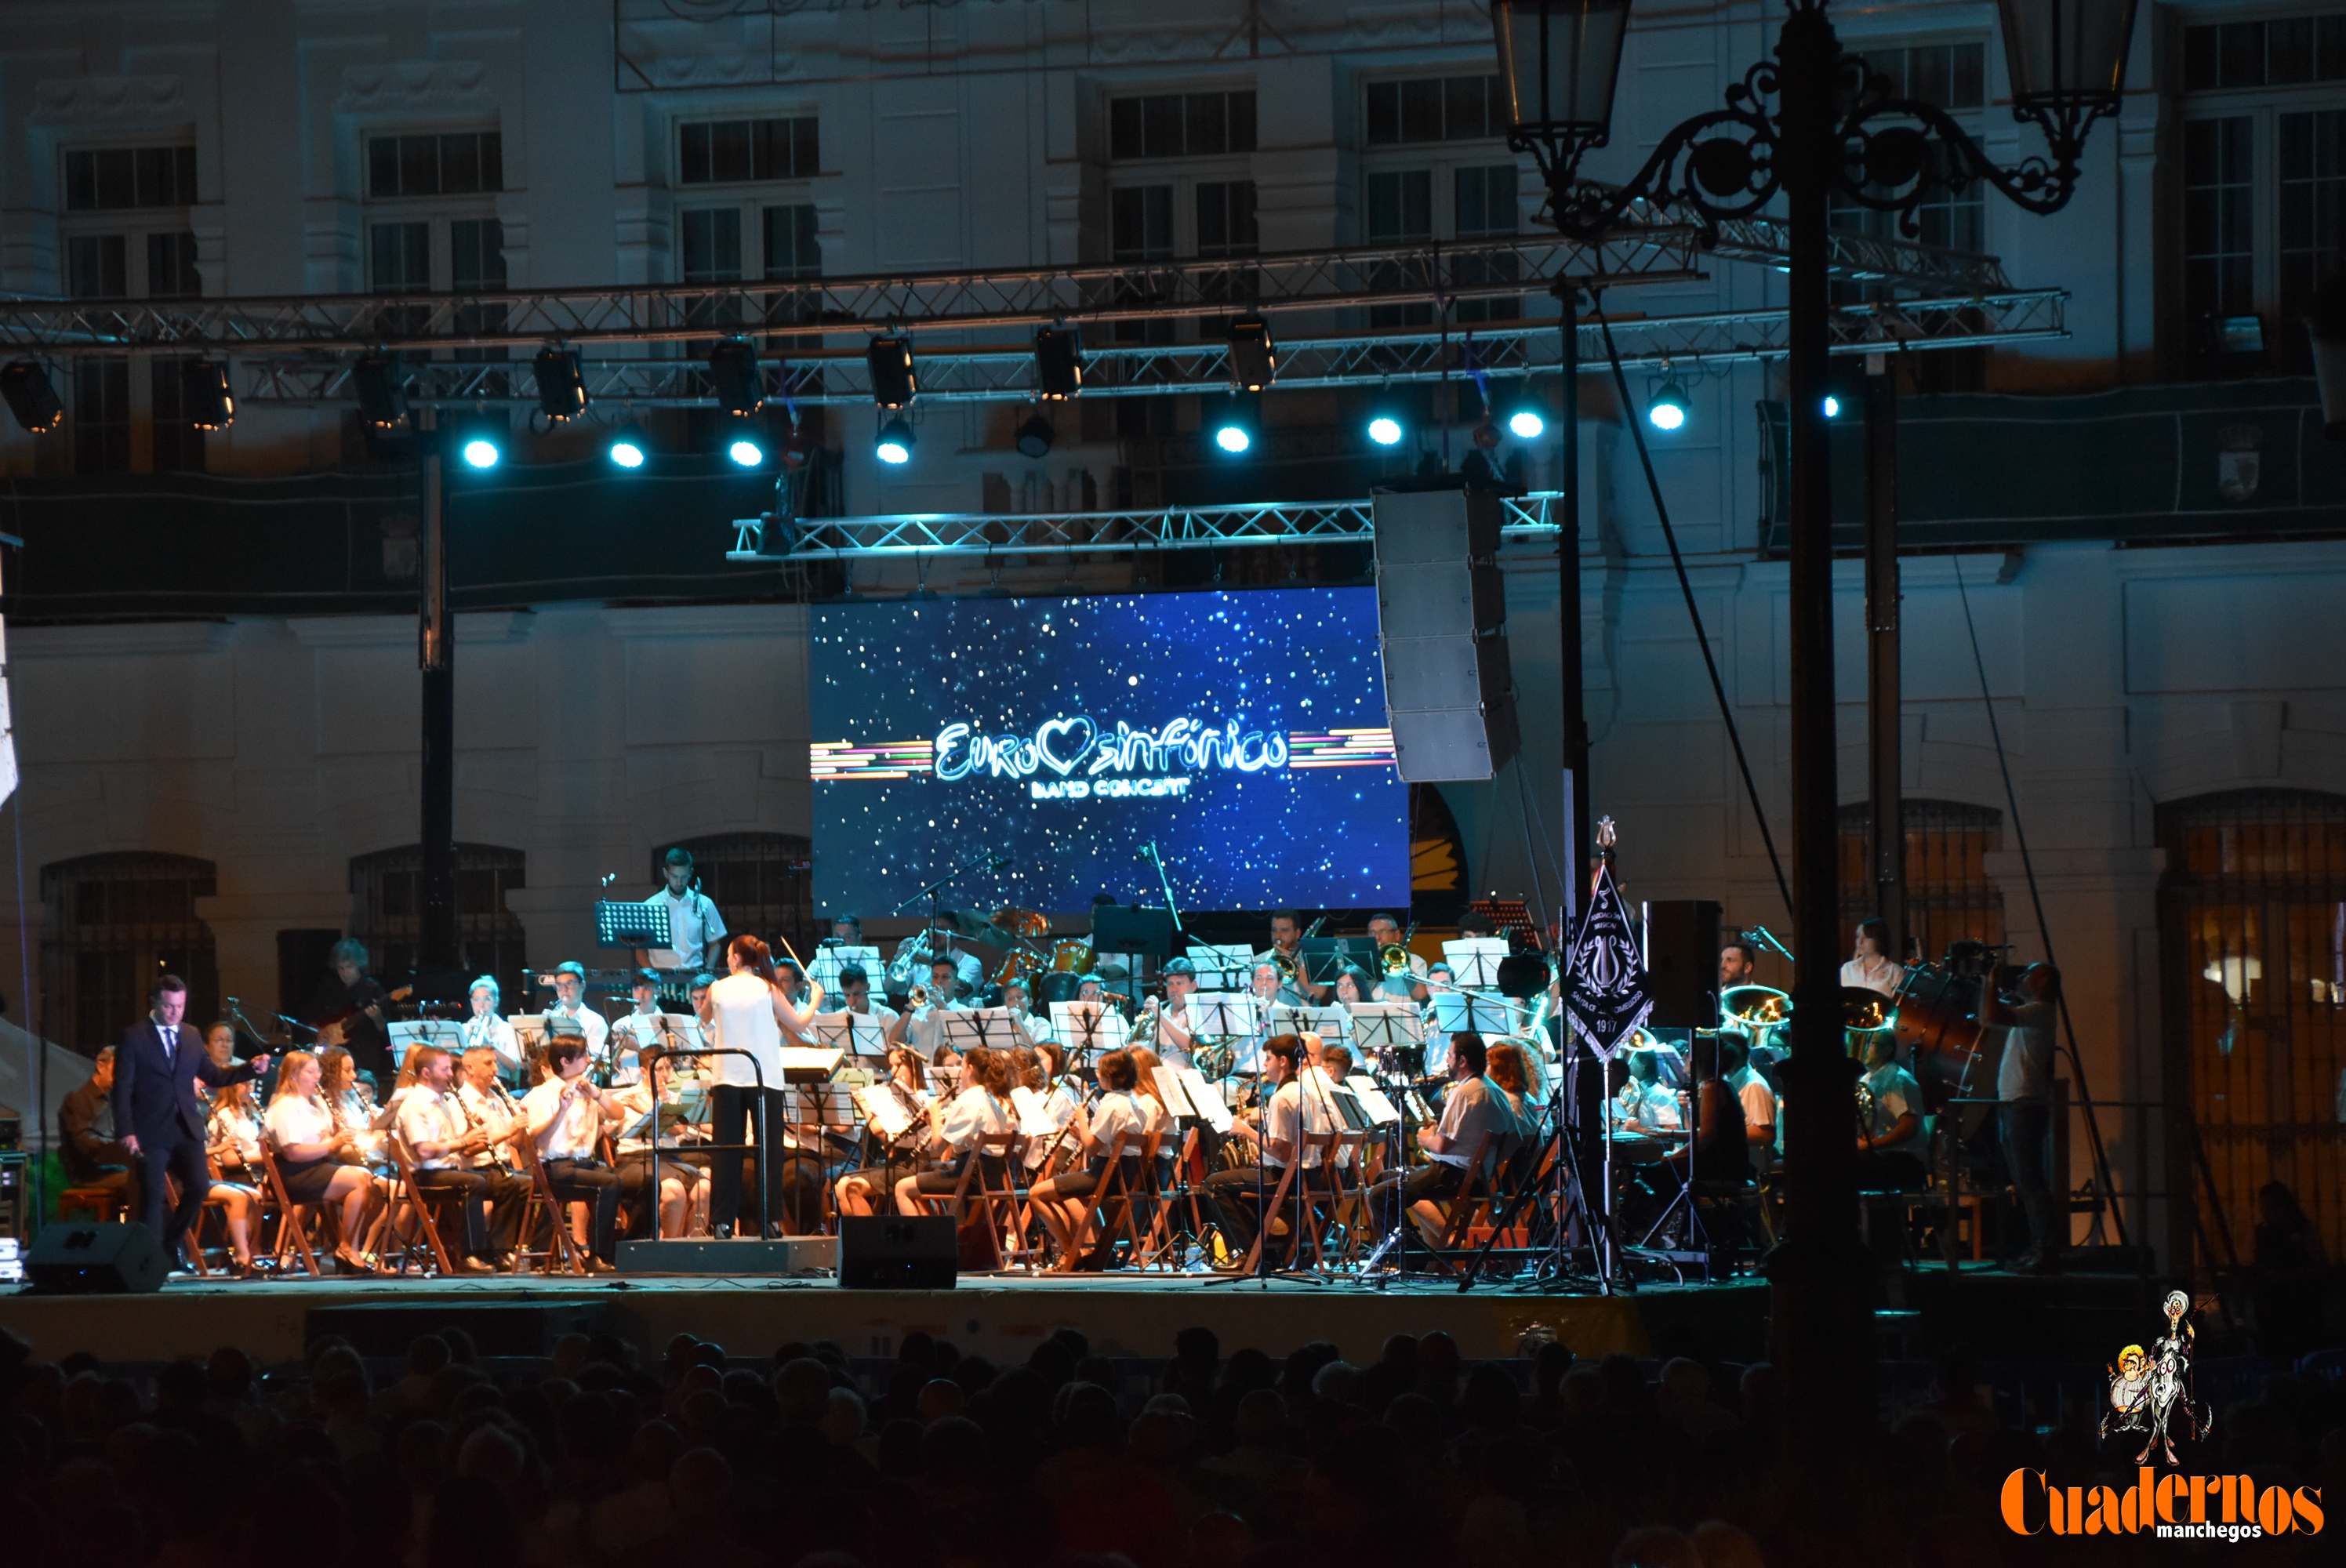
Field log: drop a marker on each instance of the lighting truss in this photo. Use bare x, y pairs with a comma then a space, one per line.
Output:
934, 302
1005, 374
1079, 533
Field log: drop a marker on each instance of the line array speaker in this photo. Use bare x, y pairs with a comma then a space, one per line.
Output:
1441, 610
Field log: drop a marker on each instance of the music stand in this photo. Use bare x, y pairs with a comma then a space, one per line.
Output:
1379, 1026
808, 1063
1381, 1111
408, 1034
1474, 960
1205, 1099
624, 922
853, 1034
1090, 1026
828, 962
1130, 928
963, 1031
1319, 958
1469, 1013
1221, 1015
1225, 966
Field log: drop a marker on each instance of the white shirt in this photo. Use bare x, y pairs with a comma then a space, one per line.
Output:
974, 1114
1894, 1095
596, 1027
496, 1033
1654, 1104
564, 1132
741, 1013
1758, 1100
427, 1117
925, 1030
1120, 1111
1320, 1088
693, 923
1877, 973
1061, 1109
2025, 1073
1470, 1109
240, 1128
494, 1109
294, 1120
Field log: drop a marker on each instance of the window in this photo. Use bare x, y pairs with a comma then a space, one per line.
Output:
464, 163
115, 922
2261, 219
127, 234
1182, 124
1950, 897
734, 152
2252, 930
1434, 108
761, 883
387, 888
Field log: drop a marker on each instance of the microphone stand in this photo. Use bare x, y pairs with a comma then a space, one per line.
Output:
1151, 854
991, 860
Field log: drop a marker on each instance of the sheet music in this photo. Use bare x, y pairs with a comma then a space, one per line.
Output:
1204, 1099
1453, 1014
1088, 1026
824, 967
1221, 1015
1334, 1023
887, 1111
854, 1033
1222, 967
1474, 960
1381, 1110
1170, 1090
1034, 1113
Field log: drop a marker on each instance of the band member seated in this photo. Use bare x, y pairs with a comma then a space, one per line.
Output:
683, 1185
1263, 985
232, 1143
1472, 1112
1889, 1138
571, 1016
1758, 1101
855, 998
1019, 1000
1506, 1066
486, 1029
338, 1090
93, 1156
565, 1115
1646, 1104
1042, 1068
440, 1137
1720, 1151
1064, 1200
488, 1105
309, 1157
698, 999
1276, 1132
981, 1109
351, 1009
857, 1190
1173, 1041
1385, 931
1738, 965
156, 1066
847, 930
792, 978
1286, 951
1354, 986
695, 929
1870, 965
1438, 976
1331, 1064
923, 1028
643, 1028
751, 1020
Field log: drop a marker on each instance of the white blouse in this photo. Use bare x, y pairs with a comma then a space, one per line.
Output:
741, 1008
240, 1130
294, 1120
974, 1113
1873, 974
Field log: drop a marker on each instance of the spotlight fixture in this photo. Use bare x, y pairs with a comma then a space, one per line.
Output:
628, 448
1666, 409
1831, 405
746, 451
891, 363
1034, 437
1384, 430
1058, 363
204, 393
478, 441
561, 389
30, 397
379, 382
1254, 358
798, 449
733, 375
893, 445
1234, 428
1527, 423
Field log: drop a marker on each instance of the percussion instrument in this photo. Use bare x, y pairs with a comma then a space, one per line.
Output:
1939, 1026
1071, 957
1755, 1007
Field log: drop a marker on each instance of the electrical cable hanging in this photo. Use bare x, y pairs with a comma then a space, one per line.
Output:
2045, 931
1694, 613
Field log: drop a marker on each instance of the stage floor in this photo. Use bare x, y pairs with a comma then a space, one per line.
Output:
1001, 1316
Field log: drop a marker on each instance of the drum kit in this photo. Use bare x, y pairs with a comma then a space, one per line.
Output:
1016, 946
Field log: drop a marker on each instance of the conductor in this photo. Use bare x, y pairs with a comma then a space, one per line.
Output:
155, 1071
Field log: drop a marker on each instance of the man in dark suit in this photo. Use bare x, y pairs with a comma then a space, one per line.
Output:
155, 1112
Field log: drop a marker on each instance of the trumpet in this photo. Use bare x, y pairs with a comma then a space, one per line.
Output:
918, 997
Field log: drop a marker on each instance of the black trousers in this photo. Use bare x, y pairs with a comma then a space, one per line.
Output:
2024, 1129
182, 1159
733, 1109
1229, 1199
492, 1201
594, 1182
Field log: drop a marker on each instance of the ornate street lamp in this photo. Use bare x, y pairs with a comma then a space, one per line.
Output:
1807, 126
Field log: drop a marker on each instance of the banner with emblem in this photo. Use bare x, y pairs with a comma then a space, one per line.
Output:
1607, 999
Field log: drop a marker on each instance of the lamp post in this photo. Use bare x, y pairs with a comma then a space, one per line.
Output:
1807, 124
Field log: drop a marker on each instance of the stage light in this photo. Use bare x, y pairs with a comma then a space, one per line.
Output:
1254, 358
561, 387
628, 448
1385, 430
1526, 424
381, 385
1666, 409
1058, 363
205, 396
733, 375
798, 449
746, 451
30, 397
1234, 426
893, 445
1034, 437
478, 441
893, 385
1831, 406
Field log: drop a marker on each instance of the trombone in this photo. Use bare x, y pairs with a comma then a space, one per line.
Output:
1393, 957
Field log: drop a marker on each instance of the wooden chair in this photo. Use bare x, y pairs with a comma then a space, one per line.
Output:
954, 1203
1275, 1203
1169, 1202
1007, 1201
96, 1205
419, 1210
1347, 1204
562, 1252
1056, 1158
292, 1233
1112, 1196
1472, 1199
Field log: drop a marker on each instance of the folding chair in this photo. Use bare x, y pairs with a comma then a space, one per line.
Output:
292, 1234
562, 1252
1348, 1197
1472, 1199
1113, 1195
954, 1203
1165, 1204
420, 1208
1056, 1158
1274, 1203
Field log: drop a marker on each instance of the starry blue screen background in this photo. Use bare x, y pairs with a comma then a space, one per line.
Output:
1292, 660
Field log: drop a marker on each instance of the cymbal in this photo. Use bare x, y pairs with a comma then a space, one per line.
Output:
1864, 1010
1022, 923
1756, 1005
969, 924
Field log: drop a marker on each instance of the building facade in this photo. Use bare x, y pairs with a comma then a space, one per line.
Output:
2152, 704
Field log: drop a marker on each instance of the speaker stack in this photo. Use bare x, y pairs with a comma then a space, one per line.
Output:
1440, 610
96, 1260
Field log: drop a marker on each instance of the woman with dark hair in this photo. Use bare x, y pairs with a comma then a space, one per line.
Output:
981, 1109
749, 1017
1871, 967
1064, 1200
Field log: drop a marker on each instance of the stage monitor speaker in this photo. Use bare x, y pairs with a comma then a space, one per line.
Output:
1682, 964
893, 1253
96, 1260
1441, 606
